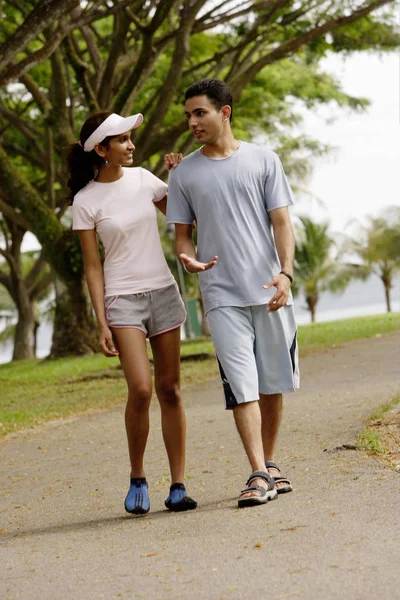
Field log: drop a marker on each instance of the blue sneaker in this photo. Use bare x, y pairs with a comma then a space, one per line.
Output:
178, 500
137, 501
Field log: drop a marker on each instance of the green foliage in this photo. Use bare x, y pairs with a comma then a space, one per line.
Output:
364, 34
317, 266
377, 245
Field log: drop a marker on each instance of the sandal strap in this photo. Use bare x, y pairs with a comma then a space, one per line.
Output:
272, 465
282, 480
262, 475
256, 488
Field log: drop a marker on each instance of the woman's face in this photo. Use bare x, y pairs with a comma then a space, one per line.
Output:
119, 151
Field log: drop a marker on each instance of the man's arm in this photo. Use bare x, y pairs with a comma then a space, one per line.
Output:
284, 238
285, 246
186, 251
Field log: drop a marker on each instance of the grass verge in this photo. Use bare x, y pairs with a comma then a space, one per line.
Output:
36, 391
381, 437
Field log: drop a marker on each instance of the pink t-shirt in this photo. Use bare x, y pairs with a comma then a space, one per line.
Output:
124, 217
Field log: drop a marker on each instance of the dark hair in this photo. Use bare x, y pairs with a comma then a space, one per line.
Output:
216, 91
83, 166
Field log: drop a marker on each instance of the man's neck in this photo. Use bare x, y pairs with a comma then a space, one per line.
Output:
221, 148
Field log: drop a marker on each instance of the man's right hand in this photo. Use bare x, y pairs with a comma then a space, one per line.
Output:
194, 266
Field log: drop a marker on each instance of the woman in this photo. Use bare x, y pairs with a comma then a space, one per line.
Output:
135, 295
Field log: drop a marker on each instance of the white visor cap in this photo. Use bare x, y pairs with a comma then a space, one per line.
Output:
113, 125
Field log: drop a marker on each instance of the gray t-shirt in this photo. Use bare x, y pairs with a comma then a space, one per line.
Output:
230, 199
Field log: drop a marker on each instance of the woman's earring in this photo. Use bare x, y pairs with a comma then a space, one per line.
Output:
107, 163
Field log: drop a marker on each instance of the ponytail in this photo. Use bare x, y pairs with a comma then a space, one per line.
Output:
83, 167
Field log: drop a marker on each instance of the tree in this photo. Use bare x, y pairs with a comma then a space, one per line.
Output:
318, 267
26, 278
62, 60
378, 247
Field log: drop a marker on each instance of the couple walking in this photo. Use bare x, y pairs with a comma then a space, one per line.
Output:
238, 195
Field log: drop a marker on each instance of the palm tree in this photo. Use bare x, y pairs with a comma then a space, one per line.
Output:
379, 248
318, 267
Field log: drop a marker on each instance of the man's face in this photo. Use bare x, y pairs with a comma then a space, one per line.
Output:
205, 121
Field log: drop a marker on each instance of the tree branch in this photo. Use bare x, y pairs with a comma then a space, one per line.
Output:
43, 15
182, 48
41, 285
146, 60
288, 48
13, 214
121, 28
41, 100
26, 130
82, 73
5, 280
59, 94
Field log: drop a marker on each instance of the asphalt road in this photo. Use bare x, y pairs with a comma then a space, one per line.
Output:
65, 535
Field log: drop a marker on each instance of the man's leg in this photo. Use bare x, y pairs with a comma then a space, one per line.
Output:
276, 355
233, 337
248, 422
271, 414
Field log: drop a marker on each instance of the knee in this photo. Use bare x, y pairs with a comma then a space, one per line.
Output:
168, 392
139, 397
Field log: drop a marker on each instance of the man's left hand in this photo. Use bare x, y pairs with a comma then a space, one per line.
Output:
279, 299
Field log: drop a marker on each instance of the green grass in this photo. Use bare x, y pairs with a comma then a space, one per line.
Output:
379, 414
372, 438
335, 333
36, 391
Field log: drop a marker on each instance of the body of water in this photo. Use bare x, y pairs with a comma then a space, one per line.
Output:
361, 298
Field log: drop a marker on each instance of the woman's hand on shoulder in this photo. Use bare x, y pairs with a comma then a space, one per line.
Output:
172, 160
106, 344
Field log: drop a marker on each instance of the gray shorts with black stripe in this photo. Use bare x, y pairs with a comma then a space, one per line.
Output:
257, 351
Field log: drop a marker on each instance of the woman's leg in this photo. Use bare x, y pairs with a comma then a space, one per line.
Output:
166, 352
135, 364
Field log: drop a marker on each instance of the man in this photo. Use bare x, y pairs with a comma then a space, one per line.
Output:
238, 194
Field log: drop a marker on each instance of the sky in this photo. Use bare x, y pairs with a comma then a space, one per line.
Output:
361, 176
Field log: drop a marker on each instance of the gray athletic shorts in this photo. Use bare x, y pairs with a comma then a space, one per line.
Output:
153, 312
256, 350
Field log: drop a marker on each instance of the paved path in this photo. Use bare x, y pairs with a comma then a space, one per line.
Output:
64, 534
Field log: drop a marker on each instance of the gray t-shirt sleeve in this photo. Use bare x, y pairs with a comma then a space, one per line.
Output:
277, 190
179, 209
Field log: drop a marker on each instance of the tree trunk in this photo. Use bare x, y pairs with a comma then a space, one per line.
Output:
312, 302
388, 284
24, 339
75, 330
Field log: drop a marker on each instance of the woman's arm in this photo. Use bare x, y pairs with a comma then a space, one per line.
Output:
95, 281
162, 204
